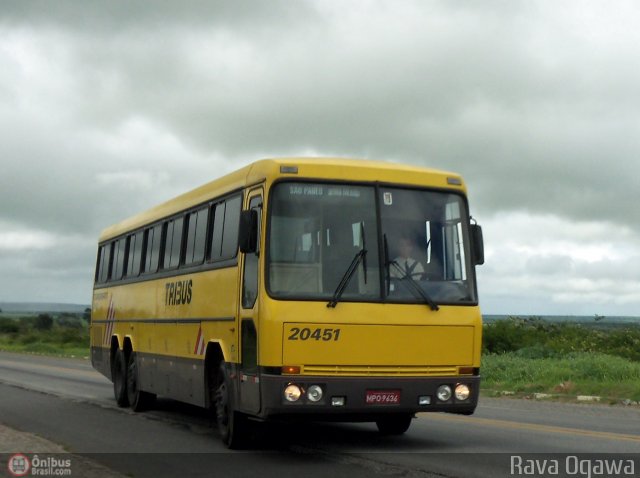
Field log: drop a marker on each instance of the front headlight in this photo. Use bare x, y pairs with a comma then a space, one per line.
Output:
462, 392
314, 393
444, 393
292, 393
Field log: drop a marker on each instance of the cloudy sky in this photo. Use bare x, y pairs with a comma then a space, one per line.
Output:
107, 108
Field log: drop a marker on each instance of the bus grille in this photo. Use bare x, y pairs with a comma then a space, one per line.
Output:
379, 371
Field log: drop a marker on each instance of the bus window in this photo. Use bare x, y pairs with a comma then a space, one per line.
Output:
173, 242
118, 259
316, 232
131, 245
103, 263
152, 253
135, 254
218, 225
250, 276
108, 262
432, 222
224, 240
455, 255
231, 225
196, 236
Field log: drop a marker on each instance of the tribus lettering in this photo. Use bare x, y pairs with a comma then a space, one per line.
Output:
178, 293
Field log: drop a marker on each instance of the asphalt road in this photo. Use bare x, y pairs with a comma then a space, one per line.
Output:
66, 401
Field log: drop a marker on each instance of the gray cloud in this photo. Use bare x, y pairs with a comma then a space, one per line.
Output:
95, 17
110, 107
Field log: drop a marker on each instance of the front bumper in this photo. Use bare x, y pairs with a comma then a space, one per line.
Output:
354, 391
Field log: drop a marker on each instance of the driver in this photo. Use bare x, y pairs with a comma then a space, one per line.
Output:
405, 265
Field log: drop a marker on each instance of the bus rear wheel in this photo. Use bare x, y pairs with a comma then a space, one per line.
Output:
395, 424
119, 377
139, 400
232, 425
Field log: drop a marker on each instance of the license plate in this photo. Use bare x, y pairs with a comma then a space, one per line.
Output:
382, 397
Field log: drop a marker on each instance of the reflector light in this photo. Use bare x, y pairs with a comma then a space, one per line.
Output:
290, 369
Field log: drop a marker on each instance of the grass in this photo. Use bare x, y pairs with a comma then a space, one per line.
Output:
531, 355
580, 373
66, 334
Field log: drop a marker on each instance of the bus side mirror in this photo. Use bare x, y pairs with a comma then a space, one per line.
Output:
248, 233
477, 244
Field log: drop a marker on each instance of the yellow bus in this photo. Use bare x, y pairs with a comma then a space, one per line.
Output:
296, 288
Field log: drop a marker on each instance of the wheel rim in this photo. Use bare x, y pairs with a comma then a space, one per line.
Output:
222, 408
132, 380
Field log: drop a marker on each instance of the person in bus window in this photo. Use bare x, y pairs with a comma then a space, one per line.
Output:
405, 265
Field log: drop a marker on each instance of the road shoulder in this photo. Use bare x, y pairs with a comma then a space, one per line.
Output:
44, 452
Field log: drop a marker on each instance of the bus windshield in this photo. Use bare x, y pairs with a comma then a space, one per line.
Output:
413, 244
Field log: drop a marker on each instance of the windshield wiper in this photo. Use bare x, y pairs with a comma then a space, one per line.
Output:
406, 279
361, 256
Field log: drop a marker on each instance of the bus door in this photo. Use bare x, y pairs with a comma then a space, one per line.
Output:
248, 313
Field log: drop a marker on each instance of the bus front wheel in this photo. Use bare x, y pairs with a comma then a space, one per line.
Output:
232, 425
395, 424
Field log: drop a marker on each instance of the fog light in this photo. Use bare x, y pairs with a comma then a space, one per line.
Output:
292, 393
462, 392
424, 400
337, 401
444, 393
314, 393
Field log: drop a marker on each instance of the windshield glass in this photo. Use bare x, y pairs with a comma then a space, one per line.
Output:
316, 232
427, 244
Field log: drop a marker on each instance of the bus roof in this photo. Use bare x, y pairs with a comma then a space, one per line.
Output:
307, 168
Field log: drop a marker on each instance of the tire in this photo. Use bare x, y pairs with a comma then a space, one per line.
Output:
232, 425
395, 424
139, 400
119, 377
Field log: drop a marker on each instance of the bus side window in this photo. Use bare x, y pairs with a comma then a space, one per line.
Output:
250, 274
231, 226
152, 253
102, 265
118, 259
99, 263
108, 261
173, 243
216, 237
200, 241
131, 246
135, 254
226, 221
196, 236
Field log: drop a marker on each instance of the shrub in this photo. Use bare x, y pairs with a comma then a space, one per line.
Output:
8, 326
535, 338
69, 321
44, 322
29, 338
71, 336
